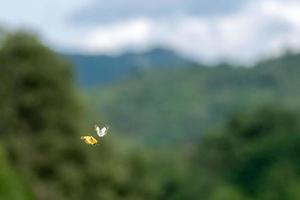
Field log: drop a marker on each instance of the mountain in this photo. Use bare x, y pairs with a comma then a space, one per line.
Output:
95, 70
177, 105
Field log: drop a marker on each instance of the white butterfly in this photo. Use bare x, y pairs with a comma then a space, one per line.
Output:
101, 132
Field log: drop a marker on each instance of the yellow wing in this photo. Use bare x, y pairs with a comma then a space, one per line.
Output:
89, 140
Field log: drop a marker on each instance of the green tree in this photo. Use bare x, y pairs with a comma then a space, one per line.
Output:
252, 153
39, 113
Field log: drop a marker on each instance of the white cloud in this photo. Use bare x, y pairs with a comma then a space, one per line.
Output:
118, 37
263, 27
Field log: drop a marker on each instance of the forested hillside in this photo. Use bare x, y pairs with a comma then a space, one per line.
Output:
174, 105
95, 70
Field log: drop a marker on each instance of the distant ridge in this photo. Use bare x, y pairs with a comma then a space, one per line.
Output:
96, 70
177, 106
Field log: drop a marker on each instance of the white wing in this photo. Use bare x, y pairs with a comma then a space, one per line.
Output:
97, 129
101, 132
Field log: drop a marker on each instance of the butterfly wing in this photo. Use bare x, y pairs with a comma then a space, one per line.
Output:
97, 128
101, 132
92, 140
89, 140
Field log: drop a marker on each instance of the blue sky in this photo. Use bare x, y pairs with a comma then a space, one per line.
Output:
240, 30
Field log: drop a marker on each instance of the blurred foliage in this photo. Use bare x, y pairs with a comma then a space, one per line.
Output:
39, 112
256, 154
41, 120
11, 185
253, 155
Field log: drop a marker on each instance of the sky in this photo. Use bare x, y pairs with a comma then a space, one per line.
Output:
204, 30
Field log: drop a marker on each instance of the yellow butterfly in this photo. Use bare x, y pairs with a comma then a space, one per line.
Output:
89, 140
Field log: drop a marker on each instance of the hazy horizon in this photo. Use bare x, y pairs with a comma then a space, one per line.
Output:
234, 30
